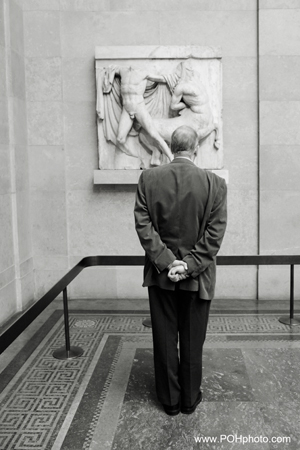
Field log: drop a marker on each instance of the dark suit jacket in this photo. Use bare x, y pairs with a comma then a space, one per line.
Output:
180, 213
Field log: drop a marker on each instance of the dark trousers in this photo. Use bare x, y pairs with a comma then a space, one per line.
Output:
176, 313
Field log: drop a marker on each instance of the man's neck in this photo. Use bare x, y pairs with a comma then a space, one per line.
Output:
185, 155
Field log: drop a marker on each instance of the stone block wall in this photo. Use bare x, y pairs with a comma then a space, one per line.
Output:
8, 299
73, 218
279, 29
16, 262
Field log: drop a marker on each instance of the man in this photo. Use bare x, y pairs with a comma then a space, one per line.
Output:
180, 216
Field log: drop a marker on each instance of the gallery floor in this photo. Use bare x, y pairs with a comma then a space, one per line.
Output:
106, 399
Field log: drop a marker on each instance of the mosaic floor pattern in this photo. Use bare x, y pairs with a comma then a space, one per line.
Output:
106, 398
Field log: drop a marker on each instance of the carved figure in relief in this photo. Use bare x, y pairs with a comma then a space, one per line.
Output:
190, 98
133, 84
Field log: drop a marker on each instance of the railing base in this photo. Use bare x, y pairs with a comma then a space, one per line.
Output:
147, 322
287, 320
62, 353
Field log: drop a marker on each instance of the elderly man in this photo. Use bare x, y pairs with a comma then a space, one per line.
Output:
180, 216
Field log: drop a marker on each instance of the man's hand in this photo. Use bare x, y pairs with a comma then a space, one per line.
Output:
178, 271
178, 262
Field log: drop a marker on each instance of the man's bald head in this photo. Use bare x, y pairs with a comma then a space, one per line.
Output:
184, 139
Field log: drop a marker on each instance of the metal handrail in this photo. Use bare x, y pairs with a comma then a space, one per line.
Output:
20, 324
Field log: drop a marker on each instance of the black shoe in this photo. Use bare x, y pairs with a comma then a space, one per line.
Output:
172, 410
191, 409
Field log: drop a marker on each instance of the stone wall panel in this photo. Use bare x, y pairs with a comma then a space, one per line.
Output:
42, 33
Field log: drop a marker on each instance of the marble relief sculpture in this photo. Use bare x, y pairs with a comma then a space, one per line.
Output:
146, 106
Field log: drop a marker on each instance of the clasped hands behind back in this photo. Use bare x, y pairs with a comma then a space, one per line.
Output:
178, 271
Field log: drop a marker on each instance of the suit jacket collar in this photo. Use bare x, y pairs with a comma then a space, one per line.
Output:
182, 161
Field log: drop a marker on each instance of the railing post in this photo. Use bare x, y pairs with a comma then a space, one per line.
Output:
291, 320
66, 319
67, 352
292, 284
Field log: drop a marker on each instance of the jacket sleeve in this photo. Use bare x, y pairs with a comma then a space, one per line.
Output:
159, 254
206, 249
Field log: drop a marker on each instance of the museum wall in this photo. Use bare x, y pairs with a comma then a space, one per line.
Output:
279, 141
70, 216
16, 262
